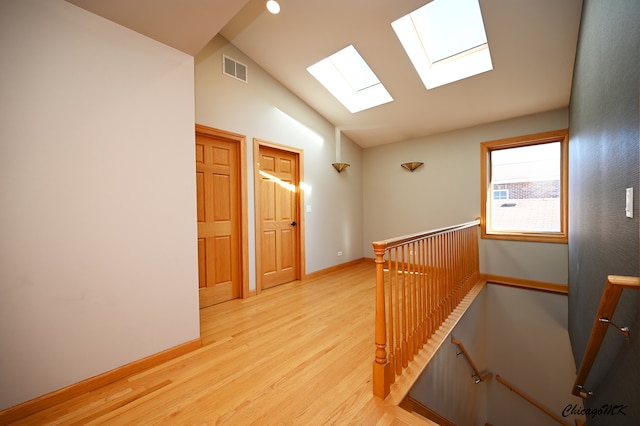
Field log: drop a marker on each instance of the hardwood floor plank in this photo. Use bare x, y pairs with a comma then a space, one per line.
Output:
297, 354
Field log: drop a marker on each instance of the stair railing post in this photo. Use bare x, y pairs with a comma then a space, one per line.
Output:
381, 368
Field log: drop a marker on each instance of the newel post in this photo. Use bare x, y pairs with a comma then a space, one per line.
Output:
381, 367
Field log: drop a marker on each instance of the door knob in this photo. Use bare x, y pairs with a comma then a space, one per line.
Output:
293, 223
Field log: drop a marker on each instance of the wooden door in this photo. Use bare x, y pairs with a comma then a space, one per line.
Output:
280, 230
218, 193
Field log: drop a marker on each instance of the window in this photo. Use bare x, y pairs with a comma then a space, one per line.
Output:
500, 194
346, 75
445, 41
524, 188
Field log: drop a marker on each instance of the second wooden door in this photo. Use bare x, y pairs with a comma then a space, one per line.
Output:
280, 230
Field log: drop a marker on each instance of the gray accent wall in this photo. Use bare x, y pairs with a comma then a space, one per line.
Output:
446, 191
603, 161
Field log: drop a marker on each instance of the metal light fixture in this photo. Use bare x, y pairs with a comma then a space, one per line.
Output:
340, 166
411, 166
273, 7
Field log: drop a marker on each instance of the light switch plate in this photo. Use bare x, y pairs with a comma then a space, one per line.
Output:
629, 204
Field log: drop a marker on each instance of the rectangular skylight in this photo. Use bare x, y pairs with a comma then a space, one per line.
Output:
445, 40
348, 77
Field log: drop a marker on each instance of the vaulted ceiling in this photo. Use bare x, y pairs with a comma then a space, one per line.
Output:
532, 44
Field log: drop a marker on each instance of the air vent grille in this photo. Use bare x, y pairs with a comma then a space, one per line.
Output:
234, 69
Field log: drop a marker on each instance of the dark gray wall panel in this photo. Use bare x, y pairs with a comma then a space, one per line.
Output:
604, 159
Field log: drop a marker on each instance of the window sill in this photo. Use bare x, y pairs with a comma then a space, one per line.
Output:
538, 238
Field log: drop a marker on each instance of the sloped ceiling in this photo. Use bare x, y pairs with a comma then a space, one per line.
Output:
532, 43
185, 25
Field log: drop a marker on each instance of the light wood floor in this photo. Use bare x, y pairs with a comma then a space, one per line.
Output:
297, 354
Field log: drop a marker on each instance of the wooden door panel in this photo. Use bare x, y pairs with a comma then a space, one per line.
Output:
268, 205
202, 267
214, 295
221, 156
279, 213
222, 259
269, 251
286, 201
217, 188
200, 196
286, 256
199, 154
221, 192
285, 165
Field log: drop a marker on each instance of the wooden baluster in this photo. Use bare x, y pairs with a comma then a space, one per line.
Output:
467, 260
390, 322
381, 369
416, 297
421, 284
397, 317
403, 295
459, 270
429, 288
445, 269
443, 279
425, 292
451, 267
473, 257
454, 269
434, 282
409, 306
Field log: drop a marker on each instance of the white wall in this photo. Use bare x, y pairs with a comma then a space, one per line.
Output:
98, 260
264, 109
446, 191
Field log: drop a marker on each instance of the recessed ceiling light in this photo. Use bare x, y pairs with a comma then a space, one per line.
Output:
348, 77
273, 7
445, 40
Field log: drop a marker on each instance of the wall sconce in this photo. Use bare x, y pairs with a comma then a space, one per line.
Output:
411, 166
340, 166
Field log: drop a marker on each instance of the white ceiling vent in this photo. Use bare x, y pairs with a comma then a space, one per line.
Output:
234, 69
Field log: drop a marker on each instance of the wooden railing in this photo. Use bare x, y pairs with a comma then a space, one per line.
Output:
479, 377
532, 401
610, 296
420, 279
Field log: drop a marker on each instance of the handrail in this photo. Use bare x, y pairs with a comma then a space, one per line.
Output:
397, 241
420, 279
532, 401
414, 406
479, 376
610, 296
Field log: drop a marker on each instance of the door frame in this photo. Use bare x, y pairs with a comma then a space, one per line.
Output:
240, 142
299, 153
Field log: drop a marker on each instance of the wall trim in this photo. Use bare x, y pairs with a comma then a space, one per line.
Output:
50, 399
334, 268
526, 284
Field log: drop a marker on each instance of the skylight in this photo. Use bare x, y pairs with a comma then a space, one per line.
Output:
445, 40
348, 77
